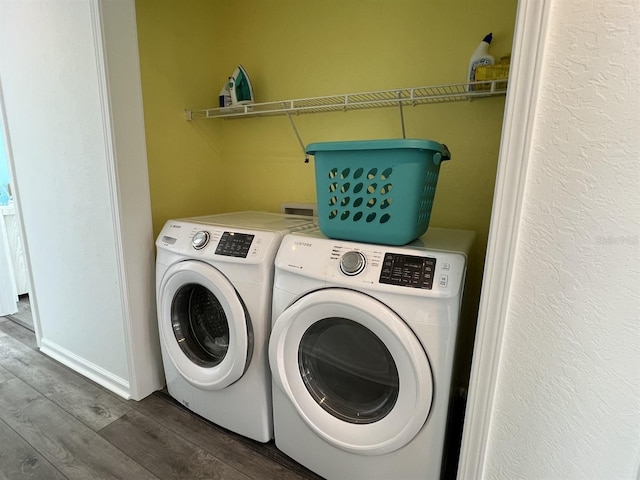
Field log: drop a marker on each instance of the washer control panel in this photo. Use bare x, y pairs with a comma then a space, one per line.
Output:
230, 244
202, 241
233, 244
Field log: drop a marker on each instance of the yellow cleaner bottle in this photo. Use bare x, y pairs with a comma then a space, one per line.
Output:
479, 57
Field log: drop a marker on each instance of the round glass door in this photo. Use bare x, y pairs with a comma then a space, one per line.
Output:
353, 370
200, 325
348, 370
204, 326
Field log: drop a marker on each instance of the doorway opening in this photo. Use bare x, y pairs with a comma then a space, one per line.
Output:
15, 303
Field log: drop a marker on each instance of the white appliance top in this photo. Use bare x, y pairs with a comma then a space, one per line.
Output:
437, 239
445, 240
434, 265
265, 221
240, 237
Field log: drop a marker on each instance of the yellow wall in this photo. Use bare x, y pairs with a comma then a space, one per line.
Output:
178, 60
305, 48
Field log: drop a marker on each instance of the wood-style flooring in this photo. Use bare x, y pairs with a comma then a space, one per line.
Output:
23, 315
56, 424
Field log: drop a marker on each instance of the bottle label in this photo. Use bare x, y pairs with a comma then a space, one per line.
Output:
476, 64
472, 73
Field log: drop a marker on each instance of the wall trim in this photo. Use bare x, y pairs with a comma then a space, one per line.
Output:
112, 170
90, 370
117, 58
515, 150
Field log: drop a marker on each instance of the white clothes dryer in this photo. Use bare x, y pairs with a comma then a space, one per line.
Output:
214, 278
361, 352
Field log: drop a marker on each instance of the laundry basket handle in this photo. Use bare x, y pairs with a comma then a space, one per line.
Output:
446, 154
442, 156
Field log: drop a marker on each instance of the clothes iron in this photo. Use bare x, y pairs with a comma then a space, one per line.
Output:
240, 87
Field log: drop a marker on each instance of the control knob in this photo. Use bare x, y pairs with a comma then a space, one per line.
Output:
352, 263
200, 240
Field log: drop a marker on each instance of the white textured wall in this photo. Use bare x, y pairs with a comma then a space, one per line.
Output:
568, 394
72, 95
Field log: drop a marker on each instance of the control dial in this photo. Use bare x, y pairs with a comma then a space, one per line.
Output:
200, 240
352, 263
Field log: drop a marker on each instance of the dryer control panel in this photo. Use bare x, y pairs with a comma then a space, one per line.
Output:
408, 270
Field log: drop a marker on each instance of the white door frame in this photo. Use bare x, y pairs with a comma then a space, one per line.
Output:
8, 290
517, 130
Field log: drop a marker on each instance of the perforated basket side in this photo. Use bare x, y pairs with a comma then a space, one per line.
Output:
428, 194
374, 196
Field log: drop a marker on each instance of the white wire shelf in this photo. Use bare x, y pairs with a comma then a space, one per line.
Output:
354, 101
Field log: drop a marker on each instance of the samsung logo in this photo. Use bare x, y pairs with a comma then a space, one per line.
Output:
303, 244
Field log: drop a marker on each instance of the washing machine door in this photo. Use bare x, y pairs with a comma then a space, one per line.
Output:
354, 371
204, 325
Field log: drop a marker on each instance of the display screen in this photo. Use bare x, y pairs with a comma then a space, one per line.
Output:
234, 244
408, 271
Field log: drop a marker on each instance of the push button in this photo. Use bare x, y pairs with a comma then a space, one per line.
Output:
444, 281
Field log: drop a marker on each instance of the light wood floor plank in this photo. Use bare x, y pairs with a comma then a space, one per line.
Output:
78, 396
73, 448
19, 460
164, 453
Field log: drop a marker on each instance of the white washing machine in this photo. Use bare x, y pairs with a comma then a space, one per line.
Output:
361, 352
214, 278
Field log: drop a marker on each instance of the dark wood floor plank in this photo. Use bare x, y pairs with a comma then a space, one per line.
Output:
77, 395
256, 460
73, 448
19, 460
20, 333
57, 416
164, 453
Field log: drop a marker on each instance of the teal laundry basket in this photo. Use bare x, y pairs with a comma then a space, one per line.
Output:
376, 191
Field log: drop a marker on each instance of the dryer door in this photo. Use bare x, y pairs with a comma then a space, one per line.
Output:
355, 372
204, 325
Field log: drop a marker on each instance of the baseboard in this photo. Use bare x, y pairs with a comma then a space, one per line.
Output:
88, 369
